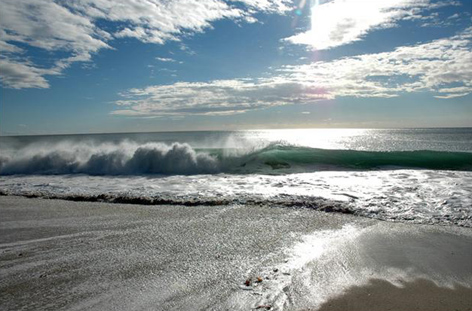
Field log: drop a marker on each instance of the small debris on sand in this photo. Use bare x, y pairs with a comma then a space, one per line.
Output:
259, 279
248, 282
267, 307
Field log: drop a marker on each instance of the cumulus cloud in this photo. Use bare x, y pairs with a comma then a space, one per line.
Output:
338, 22
73, 28
442, 66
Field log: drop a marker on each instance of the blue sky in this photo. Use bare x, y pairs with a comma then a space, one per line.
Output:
86, 66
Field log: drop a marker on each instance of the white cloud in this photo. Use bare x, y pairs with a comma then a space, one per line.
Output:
48, 26
428, 66
165, 59
72, 28
157, 21
218, 97
338, 22
454, 16
449, 96
454, 92
269, 6
24, 75
442, 66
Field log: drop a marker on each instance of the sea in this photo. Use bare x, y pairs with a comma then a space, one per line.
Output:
419, 175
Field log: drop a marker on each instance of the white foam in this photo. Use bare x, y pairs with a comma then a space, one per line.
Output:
419, 196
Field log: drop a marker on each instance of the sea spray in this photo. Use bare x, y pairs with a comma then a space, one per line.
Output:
125, 158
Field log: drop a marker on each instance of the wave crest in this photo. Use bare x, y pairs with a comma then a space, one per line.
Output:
106, 159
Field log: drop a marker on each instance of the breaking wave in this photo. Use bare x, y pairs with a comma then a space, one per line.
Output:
129, 158
109, 159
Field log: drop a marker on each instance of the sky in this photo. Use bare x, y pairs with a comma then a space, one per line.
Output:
100, 66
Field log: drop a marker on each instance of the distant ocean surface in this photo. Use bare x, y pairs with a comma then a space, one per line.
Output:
409, 175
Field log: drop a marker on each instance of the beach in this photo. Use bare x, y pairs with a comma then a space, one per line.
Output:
274, 155
65, 255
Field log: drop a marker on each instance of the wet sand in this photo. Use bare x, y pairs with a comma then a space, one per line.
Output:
419, 295
62, 255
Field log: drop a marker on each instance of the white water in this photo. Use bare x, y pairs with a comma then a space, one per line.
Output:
418, 196
106, 159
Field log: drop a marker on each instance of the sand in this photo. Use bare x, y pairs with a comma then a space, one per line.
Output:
418, 295
62, 255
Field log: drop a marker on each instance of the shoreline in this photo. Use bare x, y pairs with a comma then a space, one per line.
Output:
82, 255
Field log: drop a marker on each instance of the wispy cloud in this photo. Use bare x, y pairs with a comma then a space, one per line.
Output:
71, 27
48, 26
339, 22
219, 97
268, 6
24, 75
430, 66
441, 66
165, 60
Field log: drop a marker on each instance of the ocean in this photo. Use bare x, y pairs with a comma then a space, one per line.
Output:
242, 220
404, 175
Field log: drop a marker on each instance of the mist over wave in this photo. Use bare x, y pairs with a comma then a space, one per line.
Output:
126, 158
